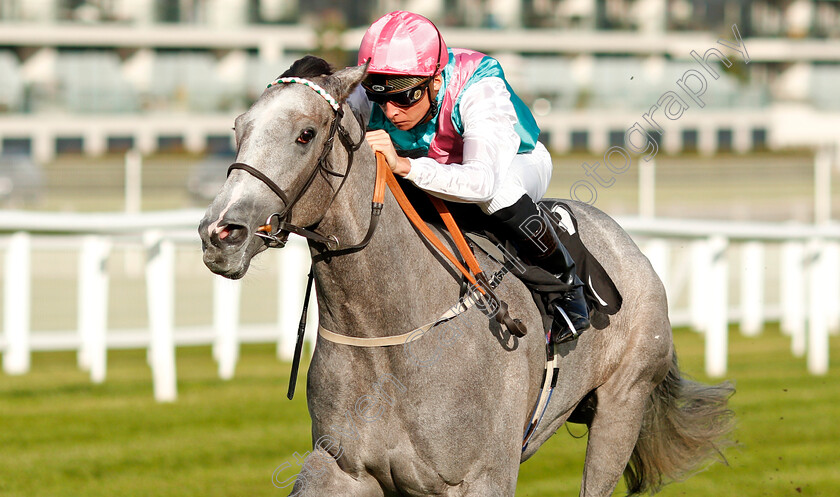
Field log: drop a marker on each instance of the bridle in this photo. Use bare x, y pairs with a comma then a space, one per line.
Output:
277, 237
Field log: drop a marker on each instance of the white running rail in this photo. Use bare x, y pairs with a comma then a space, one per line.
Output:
783, 272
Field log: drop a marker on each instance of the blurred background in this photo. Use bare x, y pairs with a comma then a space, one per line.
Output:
82, 82
115, 133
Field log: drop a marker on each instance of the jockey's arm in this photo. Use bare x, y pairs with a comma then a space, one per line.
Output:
490, 144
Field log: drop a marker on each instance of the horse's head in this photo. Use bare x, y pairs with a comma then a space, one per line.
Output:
286, 138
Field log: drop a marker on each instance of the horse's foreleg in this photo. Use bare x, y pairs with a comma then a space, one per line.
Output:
612, 436
322, 476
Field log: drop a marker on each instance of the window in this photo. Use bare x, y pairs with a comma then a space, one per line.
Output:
174, 143
119, 144
218, 144
724, 140
689, 140
69, 145
759, 138
580, 140
17, 146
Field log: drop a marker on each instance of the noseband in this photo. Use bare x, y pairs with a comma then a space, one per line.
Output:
276, 237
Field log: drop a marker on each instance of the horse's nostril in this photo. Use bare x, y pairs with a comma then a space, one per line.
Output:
233, 234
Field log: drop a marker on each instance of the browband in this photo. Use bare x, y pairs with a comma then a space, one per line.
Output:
324, 93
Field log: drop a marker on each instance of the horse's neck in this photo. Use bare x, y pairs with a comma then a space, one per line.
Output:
391, 284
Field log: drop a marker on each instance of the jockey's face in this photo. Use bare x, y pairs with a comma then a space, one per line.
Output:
405, 118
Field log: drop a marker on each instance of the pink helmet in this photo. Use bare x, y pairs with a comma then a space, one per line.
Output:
403, 43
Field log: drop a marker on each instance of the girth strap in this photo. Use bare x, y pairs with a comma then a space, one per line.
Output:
549, 382
460, 307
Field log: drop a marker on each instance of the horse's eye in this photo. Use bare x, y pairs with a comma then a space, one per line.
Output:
306, 136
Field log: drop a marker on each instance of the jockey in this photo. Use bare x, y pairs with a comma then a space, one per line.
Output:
447, 121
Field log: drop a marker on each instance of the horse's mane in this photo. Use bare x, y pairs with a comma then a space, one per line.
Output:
308, 66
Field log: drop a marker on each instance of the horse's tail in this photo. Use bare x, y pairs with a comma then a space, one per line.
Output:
685, 424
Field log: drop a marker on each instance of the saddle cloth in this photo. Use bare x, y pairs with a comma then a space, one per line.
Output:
599, 288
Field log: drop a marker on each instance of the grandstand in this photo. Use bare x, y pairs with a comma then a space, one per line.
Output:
100, 75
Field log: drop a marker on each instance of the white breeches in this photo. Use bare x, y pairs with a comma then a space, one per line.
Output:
528, 174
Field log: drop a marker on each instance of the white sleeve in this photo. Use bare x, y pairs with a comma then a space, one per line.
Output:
490, 144
360, 104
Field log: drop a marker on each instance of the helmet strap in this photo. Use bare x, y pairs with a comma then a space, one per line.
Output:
433, 106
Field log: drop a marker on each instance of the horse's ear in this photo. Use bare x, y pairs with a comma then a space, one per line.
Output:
343, 82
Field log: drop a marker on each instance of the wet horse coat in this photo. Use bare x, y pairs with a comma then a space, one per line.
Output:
445, 414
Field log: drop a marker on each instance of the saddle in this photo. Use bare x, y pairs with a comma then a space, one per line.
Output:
601, 293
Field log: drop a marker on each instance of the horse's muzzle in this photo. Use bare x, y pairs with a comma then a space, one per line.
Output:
225, 246
228, 235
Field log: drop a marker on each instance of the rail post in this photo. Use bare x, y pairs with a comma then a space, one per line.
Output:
817, 316
160, 297
16, 304
831, 252
226, 300
700, 279
93, 306
792, 292
293, 264
752, 288
717, 322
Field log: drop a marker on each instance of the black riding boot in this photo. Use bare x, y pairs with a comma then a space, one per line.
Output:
546, 251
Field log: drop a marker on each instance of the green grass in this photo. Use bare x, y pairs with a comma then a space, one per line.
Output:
787, 428
62, 436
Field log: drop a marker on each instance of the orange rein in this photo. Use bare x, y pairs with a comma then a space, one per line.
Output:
382, 169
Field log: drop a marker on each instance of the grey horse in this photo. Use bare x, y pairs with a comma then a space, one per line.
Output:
444, 415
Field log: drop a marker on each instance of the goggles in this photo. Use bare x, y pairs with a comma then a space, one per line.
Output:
401, 91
